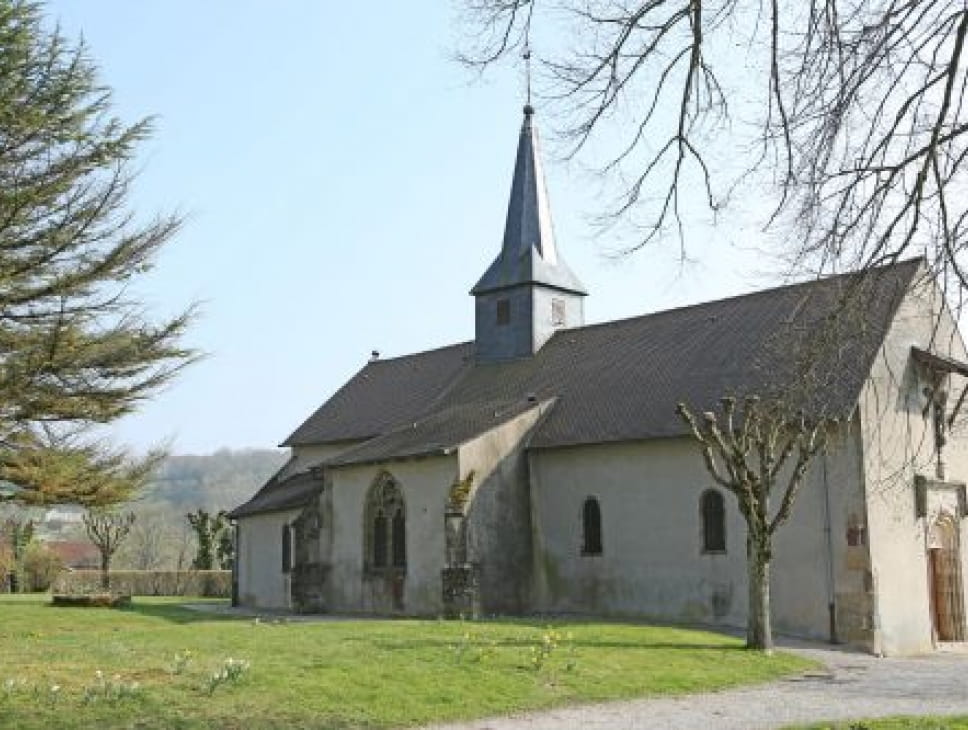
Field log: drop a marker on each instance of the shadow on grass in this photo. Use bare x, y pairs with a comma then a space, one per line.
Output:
172, 612
176, 613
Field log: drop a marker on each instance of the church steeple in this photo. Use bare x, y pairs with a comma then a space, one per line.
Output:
528, 291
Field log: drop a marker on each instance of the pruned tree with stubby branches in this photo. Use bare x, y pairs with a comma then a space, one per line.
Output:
77, 347
107, 529
760, 454
848, 117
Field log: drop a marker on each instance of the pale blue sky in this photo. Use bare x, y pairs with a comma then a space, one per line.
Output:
345, 184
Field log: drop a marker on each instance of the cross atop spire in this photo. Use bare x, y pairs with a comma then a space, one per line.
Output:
528, 253
527, 77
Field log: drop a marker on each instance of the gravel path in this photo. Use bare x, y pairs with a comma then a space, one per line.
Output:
852, 686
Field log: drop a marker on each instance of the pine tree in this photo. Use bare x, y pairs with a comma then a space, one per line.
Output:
76, 347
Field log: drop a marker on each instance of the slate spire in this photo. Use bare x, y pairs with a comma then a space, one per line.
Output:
528, 253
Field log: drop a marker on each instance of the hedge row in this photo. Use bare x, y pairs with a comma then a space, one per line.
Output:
212, 583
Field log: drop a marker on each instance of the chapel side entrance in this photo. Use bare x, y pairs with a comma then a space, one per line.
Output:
945, 580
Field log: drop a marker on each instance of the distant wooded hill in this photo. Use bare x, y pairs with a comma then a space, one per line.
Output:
222, 480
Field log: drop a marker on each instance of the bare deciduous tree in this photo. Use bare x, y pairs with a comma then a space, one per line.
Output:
760, 456
107, 531
145, 546
852, 110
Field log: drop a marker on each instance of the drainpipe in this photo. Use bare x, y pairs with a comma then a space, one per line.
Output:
828, 534
235, 562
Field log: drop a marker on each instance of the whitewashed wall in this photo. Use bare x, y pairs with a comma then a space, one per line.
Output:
425, 484
499, 513
304, 457
652, 562
898, 444
262, 584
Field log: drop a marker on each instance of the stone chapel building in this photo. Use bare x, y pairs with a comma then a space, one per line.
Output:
542, 468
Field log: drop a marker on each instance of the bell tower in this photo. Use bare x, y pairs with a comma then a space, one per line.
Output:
528, 292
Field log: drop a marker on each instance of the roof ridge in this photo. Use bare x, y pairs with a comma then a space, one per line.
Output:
736, 297
419, 353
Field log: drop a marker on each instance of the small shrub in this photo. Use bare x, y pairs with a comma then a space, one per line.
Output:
111, 690
210, 583
14, 686
230, 672
462, 647
182, 660
92, 600
471, 648
542, 651
41, 566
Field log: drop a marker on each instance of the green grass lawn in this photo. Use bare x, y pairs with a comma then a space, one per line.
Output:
894, 723
336, 674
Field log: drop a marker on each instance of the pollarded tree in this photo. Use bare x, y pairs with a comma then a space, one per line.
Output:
852, 110
760, 456
107, 529
75, 345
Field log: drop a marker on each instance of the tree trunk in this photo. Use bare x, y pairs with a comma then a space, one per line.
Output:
105, 571
759, 632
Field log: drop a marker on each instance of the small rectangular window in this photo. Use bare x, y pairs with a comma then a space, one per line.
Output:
503, 311
558, 312
286, 549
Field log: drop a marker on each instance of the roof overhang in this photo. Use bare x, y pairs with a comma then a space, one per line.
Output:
939, 366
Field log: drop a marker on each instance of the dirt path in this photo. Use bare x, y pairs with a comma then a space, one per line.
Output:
852, 686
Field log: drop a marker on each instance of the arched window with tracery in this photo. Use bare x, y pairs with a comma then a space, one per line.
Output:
379, 540
591, 520
712, 508
385, 530
399, 532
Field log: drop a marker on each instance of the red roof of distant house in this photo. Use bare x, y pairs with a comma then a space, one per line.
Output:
75, 553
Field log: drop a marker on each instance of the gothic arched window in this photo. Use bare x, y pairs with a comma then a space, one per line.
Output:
385, 526
399, 541
380, 540
712, 508
591, 521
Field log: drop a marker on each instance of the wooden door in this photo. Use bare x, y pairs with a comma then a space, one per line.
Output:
946, 593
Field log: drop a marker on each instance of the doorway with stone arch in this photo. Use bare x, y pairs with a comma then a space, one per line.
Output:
945, 580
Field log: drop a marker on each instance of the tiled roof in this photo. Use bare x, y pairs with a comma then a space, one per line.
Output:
621, 380
437, 432
280, 494
617, 381
384, 394
75, 553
